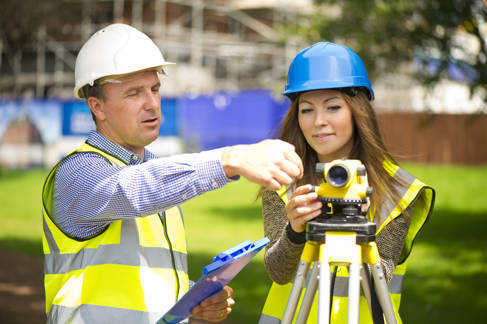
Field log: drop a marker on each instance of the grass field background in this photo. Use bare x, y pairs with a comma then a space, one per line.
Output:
447, 274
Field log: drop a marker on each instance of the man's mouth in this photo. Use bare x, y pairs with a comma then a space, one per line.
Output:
150, 121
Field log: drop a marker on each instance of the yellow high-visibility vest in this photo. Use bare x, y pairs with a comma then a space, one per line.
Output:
131, 272
413, 189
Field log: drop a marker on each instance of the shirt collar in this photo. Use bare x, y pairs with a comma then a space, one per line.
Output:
99, 141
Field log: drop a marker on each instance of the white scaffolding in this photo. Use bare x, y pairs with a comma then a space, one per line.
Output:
218, 45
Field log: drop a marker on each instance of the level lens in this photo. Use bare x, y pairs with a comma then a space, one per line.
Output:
338, 175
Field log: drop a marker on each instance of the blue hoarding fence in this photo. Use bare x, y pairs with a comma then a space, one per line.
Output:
203, 122
77, 118
229, 118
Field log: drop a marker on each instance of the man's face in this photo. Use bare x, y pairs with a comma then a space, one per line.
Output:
130, 115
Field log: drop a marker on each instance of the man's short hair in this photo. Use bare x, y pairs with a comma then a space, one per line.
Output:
95, 90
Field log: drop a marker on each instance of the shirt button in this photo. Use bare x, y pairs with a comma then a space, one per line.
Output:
185, 196
134, 158
214, 184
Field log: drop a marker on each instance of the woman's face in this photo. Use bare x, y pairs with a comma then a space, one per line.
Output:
326, 122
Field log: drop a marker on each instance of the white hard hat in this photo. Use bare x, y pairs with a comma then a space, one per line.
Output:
114, 50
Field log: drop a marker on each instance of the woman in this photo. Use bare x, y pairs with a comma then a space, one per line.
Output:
331, 118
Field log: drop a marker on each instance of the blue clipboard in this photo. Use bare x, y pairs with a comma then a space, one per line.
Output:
215, 276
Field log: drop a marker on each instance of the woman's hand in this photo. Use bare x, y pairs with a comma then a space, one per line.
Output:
302, 207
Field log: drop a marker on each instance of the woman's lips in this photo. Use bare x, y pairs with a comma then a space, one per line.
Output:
322, 137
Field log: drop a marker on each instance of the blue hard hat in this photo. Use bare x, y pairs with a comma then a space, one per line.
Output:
326, 65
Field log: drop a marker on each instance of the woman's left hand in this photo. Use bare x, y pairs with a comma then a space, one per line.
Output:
302, 207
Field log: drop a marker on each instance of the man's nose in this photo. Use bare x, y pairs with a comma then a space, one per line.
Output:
152, 100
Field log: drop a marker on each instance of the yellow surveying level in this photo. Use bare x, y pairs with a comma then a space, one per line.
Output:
340, 236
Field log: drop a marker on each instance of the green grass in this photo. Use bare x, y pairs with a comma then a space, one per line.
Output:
21, 211
447, 272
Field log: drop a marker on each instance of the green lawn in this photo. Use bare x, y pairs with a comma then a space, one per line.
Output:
447, 272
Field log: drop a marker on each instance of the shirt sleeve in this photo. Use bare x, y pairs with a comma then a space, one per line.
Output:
90, 193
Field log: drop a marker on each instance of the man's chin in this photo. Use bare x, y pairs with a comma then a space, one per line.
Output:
150, 138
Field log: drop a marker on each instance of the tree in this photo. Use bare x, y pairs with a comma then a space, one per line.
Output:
445, 38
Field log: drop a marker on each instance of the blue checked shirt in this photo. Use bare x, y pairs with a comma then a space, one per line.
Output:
89, 193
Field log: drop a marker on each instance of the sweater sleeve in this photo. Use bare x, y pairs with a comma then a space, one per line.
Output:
390, 241
282, 255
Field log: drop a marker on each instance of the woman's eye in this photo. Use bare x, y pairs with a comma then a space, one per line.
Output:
334, 107
306, 110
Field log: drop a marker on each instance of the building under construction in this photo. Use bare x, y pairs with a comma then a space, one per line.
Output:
217, 44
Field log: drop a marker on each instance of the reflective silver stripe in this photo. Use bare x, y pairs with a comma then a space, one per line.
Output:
92, 314
407, 179
154, 258
341, 285
406, 176
129, 248
129, 235
53, 248
266, 319
395, 285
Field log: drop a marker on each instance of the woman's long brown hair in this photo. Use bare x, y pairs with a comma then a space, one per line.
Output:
368, 147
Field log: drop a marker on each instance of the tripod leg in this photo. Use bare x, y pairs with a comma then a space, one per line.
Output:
324, 295
309, 295
366, 283
383, 293
372, 257
295, 293
371, 296
353, 293
309, 254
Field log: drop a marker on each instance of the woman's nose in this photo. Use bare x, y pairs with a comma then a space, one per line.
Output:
321, 118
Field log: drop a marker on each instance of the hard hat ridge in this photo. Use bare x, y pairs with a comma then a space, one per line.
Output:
326, 65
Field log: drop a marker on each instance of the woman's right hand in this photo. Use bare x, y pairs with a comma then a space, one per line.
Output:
302, 207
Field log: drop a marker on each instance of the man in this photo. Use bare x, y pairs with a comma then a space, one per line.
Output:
114, 241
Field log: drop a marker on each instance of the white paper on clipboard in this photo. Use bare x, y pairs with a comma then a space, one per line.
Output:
215, 276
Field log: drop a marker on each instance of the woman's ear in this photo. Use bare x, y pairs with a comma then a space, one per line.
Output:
97, 108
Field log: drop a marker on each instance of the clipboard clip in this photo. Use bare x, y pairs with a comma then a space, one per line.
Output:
234, 253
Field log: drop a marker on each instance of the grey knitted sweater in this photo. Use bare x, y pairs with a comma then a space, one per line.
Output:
282, 254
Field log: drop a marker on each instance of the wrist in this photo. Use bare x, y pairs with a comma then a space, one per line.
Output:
229, 162
295, 237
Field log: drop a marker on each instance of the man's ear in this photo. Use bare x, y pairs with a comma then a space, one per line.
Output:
97, 108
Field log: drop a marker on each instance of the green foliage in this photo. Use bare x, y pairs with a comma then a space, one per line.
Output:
387, 33
447, 269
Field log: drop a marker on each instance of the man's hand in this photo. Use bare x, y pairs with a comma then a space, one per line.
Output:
270, 163
216, 307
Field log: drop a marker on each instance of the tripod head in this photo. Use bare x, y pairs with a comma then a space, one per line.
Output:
343, 190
